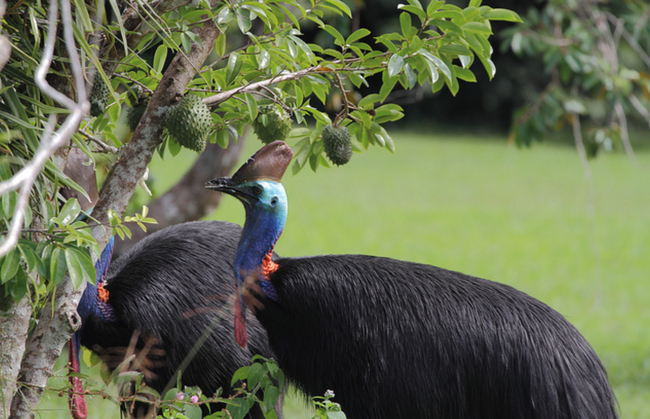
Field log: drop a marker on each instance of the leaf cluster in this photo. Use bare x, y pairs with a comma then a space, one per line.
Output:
595, 58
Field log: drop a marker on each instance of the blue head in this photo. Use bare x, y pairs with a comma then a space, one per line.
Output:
257, 185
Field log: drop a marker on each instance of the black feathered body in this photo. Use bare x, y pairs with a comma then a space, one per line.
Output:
170, 287
395, 339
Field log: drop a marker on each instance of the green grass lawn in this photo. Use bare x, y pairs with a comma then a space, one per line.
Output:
529, 218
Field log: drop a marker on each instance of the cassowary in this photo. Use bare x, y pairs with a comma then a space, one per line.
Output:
168, 289
396, 339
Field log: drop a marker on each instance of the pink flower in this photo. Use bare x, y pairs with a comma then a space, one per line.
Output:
180, 396
194, 399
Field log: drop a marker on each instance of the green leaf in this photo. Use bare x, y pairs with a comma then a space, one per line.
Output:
240, 407
477, 27
159, 58
437, 61
263, 59
186, 42
28, 255
192, 411
340, 6
451, 14
244, 20
74, 267
410, 76
81, 11
271, 394
304, 47
387, 86
455, 49
233, 67
173, 146
465, 74
251, 103
356, 35
18, 287
406, 24
338, 38
57, 266
239, 375
502, 14
415, 10
489, 66
395, 65
10, 265
70, 211
220, 44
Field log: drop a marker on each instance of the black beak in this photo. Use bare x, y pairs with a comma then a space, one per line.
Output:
226, 185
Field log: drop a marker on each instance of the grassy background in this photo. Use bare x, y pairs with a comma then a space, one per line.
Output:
529, 218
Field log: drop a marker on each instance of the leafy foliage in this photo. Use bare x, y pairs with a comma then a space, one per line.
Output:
260, 58
595, 55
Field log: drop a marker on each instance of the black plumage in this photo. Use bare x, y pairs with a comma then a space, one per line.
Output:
169, 288
396, 339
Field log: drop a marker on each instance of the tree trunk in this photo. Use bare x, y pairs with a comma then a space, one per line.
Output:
188, 200
14, 324
60, 318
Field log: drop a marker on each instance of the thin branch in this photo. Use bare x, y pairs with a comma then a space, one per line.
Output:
633, 43
103, 145
580, 145
51, 141
640, 108
625, 138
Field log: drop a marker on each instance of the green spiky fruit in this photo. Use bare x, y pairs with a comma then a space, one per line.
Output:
189, 122
98, 96
271, 124
337, 144
135, 112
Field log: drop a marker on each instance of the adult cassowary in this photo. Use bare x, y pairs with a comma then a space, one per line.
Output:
167, 290
397, 339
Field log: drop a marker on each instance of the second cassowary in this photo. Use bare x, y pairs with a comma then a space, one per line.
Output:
396, 339
168, 289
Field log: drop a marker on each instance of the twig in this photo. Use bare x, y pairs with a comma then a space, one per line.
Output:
51, 141
99, 142
625, 138
640, 108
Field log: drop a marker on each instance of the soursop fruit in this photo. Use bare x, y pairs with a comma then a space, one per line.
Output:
98, 96
337, 144
272, 124
189, 122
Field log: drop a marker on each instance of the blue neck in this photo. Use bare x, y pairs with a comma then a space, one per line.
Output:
263, 226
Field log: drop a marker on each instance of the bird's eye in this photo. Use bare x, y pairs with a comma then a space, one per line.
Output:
257, 191
274, 200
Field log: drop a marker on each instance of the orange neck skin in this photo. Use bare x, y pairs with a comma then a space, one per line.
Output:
268, 266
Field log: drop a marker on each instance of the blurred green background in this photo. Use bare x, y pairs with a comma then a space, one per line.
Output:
526, 217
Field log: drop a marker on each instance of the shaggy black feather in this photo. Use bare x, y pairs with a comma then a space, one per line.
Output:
170, 287
396, 339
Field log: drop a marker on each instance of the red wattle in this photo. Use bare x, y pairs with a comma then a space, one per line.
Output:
240, 323
76, 399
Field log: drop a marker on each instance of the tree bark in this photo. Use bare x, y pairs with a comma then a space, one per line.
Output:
14, 324
187, 200
60, 319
